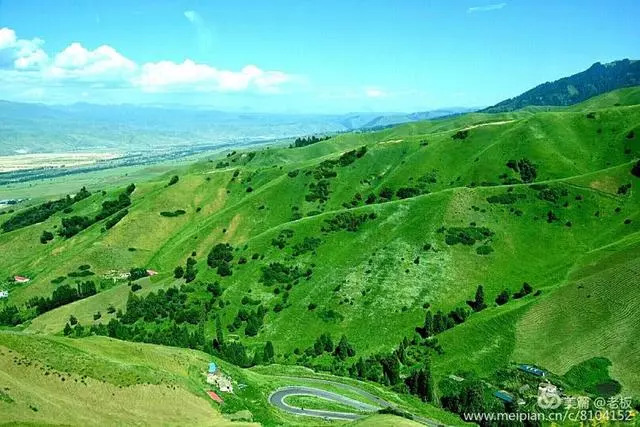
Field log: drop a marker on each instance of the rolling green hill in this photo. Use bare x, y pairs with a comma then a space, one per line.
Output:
361, 235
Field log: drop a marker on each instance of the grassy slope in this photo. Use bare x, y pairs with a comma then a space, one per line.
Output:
379, 299
594, 315
53, 380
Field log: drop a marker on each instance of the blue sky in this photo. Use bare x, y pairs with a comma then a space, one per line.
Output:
304, 55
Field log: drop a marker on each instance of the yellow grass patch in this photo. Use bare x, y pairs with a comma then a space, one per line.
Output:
39, 394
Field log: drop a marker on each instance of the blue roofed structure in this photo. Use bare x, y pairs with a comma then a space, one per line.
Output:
532, 370
503, 395
212, 368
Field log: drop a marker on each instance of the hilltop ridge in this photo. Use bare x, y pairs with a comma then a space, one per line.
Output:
597, 79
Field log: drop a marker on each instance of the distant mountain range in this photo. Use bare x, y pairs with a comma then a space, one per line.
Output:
32, 128
40, 128
597, 79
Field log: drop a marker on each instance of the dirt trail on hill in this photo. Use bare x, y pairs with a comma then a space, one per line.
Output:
502, 122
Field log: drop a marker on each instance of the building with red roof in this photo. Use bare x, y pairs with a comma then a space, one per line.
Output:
214, 396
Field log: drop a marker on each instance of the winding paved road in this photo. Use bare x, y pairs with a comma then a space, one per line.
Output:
277, 399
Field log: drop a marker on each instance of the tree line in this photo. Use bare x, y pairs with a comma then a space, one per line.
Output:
42, 212
75, 224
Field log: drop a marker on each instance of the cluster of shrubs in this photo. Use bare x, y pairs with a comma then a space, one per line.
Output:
506, 198
406, 192
281, 240
83, 271
278, 273
624, 189
137, 273
308, 244
220, 257
347, 221
550, 194
527, 170
189, 273
350, 156
466, 235
173, 214
461, 134
524, 291
357, 199
42, 212
254, 320
484, 250
386, 194
109, 207
319, 190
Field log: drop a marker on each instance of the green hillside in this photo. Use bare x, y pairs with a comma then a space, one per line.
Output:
597, 79
363, 236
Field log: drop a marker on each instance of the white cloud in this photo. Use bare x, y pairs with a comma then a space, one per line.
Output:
7, 38
26, 68
20, 53
375, 93
102, 63
487, 8
188, 75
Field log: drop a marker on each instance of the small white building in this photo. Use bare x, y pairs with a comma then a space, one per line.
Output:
224, 384
4, 294
217, 378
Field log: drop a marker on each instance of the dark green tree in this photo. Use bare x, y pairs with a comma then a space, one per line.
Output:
218, 342
178, 272
503, 297
46, 237
344, 349
269, 352
478, 303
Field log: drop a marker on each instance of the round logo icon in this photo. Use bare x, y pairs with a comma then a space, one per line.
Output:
549, 401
